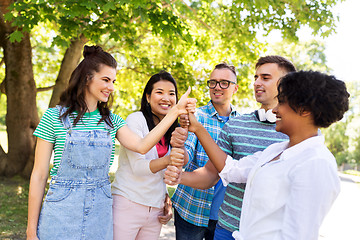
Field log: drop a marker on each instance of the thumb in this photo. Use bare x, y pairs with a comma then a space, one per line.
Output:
186, 94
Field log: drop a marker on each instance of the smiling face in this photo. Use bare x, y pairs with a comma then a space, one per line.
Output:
287, 120
100, 86
218, 95
265, 85
162, 98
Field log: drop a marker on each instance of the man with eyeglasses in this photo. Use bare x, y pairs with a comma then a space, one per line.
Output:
195, 209
240, 137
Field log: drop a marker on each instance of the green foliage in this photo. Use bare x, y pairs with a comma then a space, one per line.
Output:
46, 62
343, 138
95, 18
186, 38
337, 141
16, 36
353, 127
352, 172
2, 110
308, 55
171, 190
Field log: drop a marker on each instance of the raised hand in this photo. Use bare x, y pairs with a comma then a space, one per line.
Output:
186, 104
172, 175
193, 122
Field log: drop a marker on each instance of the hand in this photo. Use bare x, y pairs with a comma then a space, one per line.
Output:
191, 105
178, 137
186, 104
164, 219
194, 124
184, 121
177, 157
172, 175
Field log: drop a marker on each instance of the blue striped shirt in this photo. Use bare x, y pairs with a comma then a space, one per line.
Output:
194, 205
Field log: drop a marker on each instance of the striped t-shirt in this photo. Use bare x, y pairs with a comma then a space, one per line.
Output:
240, 137
52, 130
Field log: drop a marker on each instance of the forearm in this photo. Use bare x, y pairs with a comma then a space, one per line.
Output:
38, 181
36, 193
214, 152
199, 179
157, 132
159, 164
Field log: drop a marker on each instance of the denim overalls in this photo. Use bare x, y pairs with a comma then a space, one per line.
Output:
78, 204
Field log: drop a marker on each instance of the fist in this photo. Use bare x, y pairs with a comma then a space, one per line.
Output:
178, 137
172, 175
177, 157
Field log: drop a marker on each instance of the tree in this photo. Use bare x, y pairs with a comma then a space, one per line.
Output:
204, 30
22, 120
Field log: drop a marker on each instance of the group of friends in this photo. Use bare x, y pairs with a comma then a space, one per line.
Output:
261, 175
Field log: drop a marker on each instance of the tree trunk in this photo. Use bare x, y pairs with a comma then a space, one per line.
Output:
68, 64
22, 116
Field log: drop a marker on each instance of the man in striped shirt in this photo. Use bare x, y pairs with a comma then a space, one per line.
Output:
242, 136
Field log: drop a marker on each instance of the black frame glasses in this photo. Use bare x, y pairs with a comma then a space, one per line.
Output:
224, 84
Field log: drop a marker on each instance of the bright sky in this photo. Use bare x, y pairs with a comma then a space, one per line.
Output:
343, 48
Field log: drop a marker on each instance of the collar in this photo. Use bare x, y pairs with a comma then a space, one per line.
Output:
314, 142
212, 111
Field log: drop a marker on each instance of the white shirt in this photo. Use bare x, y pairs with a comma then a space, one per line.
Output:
286, 198
133, 178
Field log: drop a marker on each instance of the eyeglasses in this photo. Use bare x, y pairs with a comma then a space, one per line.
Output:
224, 84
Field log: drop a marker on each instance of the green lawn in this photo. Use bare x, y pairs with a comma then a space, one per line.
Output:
352, 172
13, 208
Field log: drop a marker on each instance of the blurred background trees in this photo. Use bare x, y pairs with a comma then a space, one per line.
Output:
42, 43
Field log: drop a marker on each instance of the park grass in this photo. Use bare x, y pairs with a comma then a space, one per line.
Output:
352, 172
13, 208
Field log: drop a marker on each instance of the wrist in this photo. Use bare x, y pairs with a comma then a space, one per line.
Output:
167, 160
175, 110
31, 233
196, 127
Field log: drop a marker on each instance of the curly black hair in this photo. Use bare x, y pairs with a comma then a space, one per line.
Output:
323, 95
